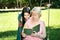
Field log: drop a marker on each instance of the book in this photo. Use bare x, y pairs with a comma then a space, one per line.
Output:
36, 28
29, 31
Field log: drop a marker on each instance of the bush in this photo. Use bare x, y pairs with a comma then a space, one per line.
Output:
56, 4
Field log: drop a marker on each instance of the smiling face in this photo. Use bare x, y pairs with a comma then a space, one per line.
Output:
35, 15
26, 15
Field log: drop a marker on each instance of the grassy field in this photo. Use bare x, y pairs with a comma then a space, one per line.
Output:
54, 23
9, 24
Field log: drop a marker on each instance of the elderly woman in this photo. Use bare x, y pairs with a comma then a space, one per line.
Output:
32, 22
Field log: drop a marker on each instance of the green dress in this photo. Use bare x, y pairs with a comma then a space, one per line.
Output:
19, 28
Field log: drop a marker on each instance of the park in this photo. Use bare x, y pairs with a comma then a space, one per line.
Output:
9, 21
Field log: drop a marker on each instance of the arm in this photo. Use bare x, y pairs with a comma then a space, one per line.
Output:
19, 20
23, 34
20, 24
42, 32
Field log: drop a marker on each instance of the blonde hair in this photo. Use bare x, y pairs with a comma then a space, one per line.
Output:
37, 9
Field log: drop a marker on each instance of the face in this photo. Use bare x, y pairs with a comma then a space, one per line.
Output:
35, 15
26, 15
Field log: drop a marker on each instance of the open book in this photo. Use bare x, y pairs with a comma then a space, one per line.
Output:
29, 31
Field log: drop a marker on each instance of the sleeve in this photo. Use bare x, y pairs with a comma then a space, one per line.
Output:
19, 17
41, 27
42, 32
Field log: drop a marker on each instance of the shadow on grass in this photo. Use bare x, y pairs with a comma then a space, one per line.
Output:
2, 12
55, 8
8, 33
54, 33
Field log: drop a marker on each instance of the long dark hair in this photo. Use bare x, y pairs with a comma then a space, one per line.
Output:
26, 9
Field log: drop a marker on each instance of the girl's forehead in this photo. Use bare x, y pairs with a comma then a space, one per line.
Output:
26, 13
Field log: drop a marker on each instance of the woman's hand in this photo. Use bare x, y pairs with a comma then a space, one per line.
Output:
34, 34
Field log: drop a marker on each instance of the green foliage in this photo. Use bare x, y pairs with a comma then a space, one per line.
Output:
22, 3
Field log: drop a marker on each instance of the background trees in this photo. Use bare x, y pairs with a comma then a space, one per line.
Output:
22, 3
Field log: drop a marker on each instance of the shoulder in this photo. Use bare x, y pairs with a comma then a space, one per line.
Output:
19, 15
41, 22
28, 22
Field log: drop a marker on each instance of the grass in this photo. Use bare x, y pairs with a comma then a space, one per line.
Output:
54, 17
8, 21
54, 24
9, 24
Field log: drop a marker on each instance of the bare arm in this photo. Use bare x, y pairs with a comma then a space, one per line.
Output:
23, 34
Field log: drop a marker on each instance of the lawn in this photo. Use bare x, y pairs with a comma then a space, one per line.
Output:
9, 24
54, 23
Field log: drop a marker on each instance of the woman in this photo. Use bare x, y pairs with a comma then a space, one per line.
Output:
22, 18
31, 23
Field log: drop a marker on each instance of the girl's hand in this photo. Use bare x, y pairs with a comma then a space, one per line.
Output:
23, 34
20, 24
